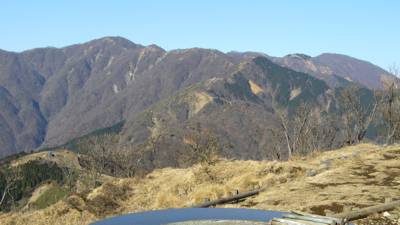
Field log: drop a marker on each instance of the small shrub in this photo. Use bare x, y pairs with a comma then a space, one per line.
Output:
49, 197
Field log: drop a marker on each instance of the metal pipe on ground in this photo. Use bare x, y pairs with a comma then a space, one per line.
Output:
365, 212
228, 199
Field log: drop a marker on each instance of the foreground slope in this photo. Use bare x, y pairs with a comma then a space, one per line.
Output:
323, 183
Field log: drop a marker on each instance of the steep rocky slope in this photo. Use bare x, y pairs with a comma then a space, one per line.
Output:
51, 95
237, 109
22, 124
337, 69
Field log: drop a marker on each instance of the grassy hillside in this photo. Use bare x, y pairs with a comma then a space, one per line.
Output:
322, 183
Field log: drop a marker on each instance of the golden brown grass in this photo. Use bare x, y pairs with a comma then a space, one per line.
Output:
328, 182
202, 99
255, 88
63, 158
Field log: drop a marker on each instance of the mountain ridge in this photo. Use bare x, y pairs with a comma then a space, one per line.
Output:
57, 94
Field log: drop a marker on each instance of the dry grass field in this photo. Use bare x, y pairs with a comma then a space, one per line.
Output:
322, 183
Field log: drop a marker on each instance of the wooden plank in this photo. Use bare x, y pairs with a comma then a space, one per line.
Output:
228, 199
365, 212
333, 219
293, 222
310, 218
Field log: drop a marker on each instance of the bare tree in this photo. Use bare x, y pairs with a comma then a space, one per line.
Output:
390, 109
203, 145
98, 157
125, 162
296, 129
302, 128
277, 139
284, 125
324, 130
154, 143
11, 176
306, 130
110, 157
394, 69
356, 114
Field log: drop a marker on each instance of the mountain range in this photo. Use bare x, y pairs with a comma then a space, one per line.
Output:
49, 96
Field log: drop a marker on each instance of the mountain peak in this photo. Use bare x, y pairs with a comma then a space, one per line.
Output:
155, 47
298, 55
115, 40
76, 87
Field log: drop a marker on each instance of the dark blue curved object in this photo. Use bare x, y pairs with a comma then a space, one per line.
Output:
159, 217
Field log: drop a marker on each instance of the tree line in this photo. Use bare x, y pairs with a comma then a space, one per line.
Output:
357, 111
19, 182
354, 114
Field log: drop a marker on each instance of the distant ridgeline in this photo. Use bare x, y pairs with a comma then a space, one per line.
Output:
76, 143
110, 94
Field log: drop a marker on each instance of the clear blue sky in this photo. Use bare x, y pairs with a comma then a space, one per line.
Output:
368, 29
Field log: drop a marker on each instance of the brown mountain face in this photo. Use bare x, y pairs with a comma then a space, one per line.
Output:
337, 70
237, 109
51, 95
22, 124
